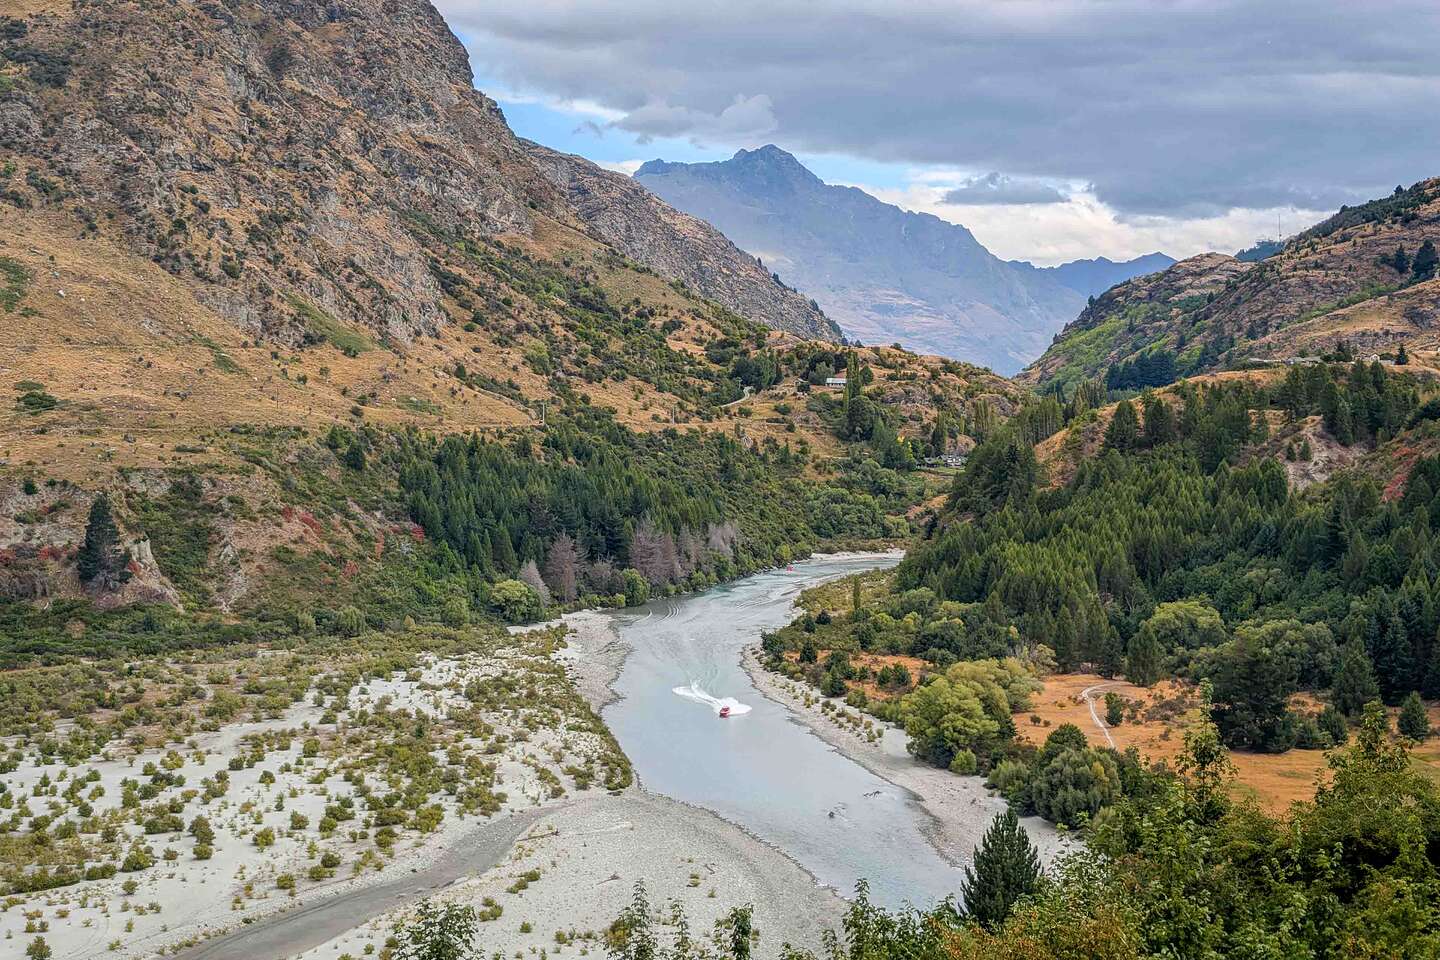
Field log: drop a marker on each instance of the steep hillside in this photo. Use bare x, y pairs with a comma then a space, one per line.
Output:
676, 245
1337, 286
885, 274
1130, 317
249, 297
290, 154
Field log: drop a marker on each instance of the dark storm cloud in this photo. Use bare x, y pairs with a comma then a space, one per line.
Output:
1178, 108
997, 188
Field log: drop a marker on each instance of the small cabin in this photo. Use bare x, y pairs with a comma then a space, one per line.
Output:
837, 382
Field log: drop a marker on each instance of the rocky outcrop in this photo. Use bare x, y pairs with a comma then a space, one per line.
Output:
306, 162
678, 246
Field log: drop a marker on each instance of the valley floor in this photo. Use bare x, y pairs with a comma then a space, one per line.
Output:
959, 808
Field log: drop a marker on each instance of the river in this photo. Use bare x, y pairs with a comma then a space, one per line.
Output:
761, 769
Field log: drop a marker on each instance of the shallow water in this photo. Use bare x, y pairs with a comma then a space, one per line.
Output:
761, 769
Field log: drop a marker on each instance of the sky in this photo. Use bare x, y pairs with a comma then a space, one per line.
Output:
1053, 129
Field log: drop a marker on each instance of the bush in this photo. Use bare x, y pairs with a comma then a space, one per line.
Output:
1333, 722
515, 602
1114, 709
137, 859
350, 622
964, 763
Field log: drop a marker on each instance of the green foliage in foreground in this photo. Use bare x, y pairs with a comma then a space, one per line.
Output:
1006, 868
1352, 874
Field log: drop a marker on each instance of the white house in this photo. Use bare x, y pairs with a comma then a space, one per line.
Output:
838, 382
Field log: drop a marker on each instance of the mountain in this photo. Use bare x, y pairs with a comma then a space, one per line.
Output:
1094, 276
1337, 286
678, 246
168, 123
253, 259
885, 274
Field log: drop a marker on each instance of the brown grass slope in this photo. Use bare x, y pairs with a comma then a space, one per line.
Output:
277, 150
1329, 283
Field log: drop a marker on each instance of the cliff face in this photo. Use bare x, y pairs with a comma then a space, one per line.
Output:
286, 151
621, 212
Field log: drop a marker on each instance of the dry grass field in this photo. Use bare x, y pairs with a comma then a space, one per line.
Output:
1155, 723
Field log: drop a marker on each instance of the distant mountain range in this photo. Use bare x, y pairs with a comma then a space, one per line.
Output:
883, 273
1090, 278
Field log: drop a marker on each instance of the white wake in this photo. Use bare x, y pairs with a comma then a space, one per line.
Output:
696, 693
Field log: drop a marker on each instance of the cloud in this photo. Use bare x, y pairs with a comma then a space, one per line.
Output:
995, 188
1187, 108
744, 120
1084, 226
627, 167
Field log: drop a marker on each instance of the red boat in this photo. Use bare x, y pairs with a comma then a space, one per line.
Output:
724, 712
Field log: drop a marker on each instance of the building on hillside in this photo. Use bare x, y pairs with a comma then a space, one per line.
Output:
836, 382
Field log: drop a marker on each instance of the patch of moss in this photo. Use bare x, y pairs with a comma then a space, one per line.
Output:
14, 280
321, 326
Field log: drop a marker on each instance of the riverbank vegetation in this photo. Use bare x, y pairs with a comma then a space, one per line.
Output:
1187, 872
1178, 549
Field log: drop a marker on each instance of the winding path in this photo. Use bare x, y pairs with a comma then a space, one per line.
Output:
298, 930
1088, 694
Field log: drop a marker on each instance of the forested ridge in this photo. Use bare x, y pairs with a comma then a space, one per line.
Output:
1177, 549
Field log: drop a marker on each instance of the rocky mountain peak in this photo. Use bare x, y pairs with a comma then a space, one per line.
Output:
291, 156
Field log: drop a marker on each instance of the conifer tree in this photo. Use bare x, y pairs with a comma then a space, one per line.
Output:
1425, 262
101, 557
1006, 868
1143, 658
1123, 429
1431, 687
1414, 722
1355, 683
1393, 658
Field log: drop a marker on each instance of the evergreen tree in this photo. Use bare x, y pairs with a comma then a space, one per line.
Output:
355, 456
1401, 357
1431, 687
1159, 422
1355, 683
1400, 260
1393, 658
1143, 658
1332, 721
1414, 722
1426, 260
1123, 429
101, 558
1006, 868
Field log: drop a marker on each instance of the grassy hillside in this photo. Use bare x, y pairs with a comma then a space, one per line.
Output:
1338, 286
